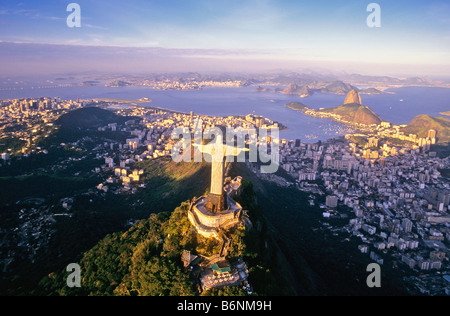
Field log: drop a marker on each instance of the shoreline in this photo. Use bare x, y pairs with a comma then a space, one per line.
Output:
282, 127
308, 112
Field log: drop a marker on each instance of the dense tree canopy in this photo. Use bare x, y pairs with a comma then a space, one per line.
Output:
146, 259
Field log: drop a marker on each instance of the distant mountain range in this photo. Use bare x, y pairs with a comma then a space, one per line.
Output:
302, 84
310, 79
334, 87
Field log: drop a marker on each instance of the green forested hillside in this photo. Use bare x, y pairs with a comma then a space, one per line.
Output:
140, 261
146, 259
421, 124
89, 117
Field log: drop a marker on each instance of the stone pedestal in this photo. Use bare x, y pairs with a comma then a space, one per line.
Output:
216, 203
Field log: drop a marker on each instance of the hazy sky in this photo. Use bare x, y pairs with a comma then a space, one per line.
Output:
171, 35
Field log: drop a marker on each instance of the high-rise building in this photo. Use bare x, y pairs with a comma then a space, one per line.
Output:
432, 133
373, 142
407, 225
34, 104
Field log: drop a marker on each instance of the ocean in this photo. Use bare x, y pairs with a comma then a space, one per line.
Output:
398, 108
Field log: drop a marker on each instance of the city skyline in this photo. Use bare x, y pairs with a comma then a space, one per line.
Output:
414, 37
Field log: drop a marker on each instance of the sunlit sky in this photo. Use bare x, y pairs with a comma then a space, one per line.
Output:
414, 35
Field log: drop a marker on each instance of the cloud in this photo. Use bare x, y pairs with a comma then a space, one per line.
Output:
47, 58
91, 26
53, 18
30, 13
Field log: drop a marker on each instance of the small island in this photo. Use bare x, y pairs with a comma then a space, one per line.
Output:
297, 106
117, 83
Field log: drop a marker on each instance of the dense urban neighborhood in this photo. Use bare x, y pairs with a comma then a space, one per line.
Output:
391, 189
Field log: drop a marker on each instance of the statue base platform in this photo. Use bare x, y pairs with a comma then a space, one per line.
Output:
208, 223
216, 203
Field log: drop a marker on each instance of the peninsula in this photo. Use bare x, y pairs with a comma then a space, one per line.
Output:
351, 112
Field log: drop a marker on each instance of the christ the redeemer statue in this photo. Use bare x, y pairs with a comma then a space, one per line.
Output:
216, 201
